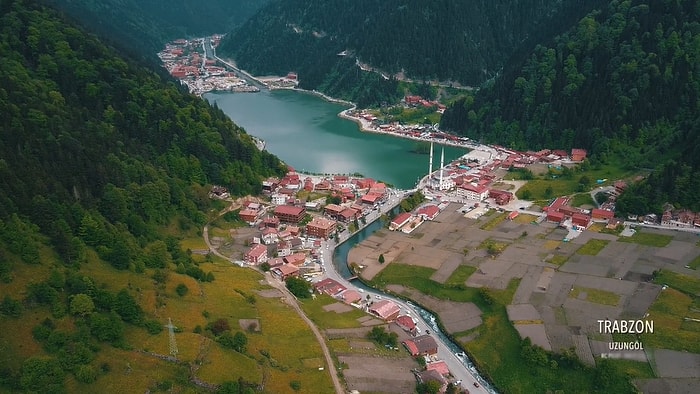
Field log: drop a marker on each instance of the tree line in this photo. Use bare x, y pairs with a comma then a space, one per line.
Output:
621, 83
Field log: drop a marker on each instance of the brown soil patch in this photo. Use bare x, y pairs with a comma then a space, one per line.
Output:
379, 374
270, 293
338, 307
455, 316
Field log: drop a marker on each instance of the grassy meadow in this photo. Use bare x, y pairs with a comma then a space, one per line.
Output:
276, 355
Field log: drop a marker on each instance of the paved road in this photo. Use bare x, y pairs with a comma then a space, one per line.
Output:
457, 368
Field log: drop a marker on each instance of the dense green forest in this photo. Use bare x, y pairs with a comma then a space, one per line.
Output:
97, 156
464, 41
623, 83
144, 26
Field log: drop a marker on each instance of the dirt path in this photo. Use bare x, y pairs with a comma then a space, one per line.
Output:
289, 299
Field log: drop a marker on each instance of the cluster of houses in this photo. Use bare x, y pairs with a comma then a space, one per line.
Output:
183, 60
516, 159
291, 230
353, 193
418, 101
679, 218
560, 212
417, 345
409, 221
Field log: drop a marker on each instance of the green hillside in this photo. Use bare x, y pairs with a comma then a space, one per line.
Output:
104, 169
622, 83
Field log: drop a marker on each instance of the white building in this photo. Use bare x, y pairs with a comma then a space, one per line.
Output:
278, 199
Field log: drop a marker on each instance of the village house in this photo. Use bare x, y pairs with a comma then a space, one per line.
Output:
431, 375
333, 210
256, 255
407, 324
439, 366
297, 259
428, 212
270, 221
320, 227
350, 296
285, 271
501, 197
329, 286
276, 262
602, 214
385, 310
289, 214
283, 249
269, 235
400, 220
423, 345
578, 154
248, 215
278, 199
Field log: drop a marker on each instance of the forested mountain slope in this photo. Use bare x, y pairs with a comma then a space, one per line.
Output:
85, 129
144, 26
623, 83
464, 41
100, 161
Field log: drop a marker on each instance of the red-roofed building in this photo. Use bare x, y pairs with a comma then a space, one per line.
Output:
412, 99
620, 186
556, 204
513, 215
365, 183
385, 309
580, 219
578, 154
285, 271
428, 212
248, 215
350, 296
555, 216
271, 221
471, 192
329, 286
323, 186
333, 210
371, 198
423, 345
320, 227
257, 254
290, 214
296, 258
438, 366
602, 214
347, 215
501, 197
407, 324
400, 220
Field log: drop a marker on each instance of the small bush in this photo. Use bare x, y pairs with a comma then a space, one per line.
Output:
153, 327
181, 289
86, 374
